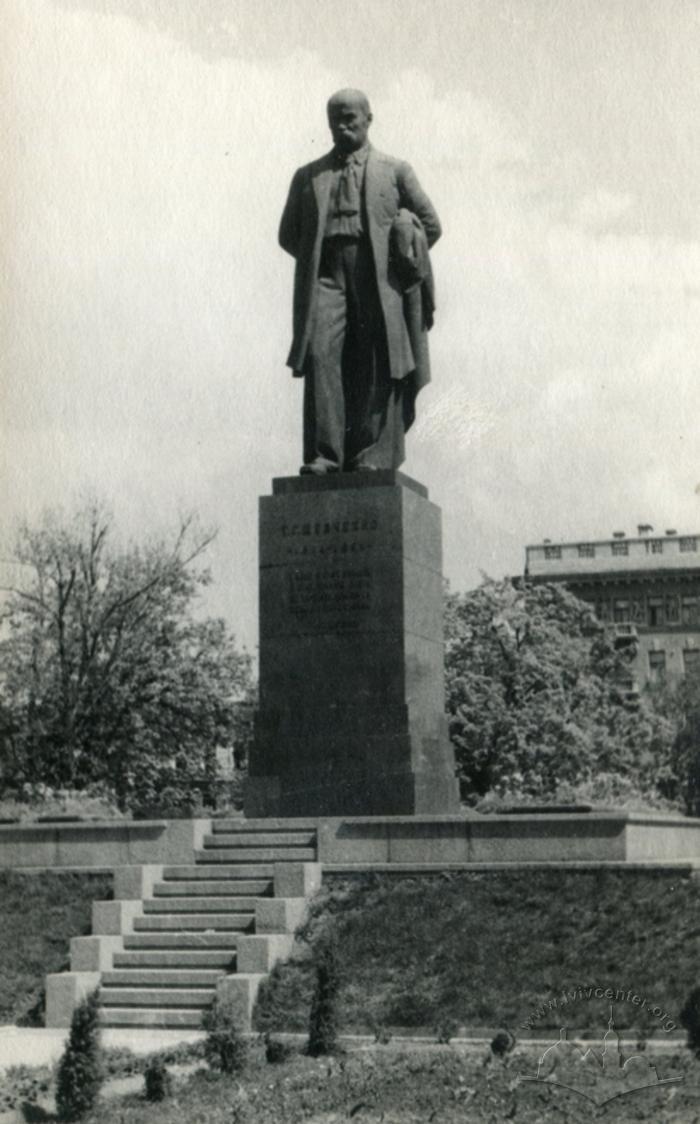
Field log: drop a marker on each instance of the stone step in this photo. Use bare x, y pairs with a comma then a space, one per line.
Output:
215, 904
260, 888
180, 940
224, 959
142, 1016
187, 922
240, 872
198, 997
163, 977
261, 839
242, 826
257, 854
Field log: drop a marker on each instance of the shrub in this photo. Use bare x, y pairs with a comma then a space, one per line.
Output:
80, 1069
157, 1083
446, 1030
690, 1020
225, 1048
275, 1051
323, 1019
502, 1044
382, 1034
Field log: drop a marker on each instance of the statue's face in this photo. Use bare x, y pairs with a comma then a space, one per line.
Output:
349, 123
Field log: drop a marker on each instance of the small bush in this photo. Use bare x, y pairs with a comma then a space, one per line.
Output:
275, 1051
382, 1034
225, 1048
446, 1030
34, 1013
502, 1044
157, 1083
690, 1020
80, 1069
323, 1019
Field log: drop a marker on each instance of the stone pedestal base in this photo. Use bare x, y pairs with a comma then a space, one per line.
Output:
351, 714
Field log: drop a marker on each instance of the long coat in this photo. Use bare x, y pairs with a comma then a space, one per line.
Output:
388, 185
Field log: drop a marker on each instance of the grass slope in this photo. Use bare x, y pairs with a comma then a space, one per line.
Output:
495, 949
39, 913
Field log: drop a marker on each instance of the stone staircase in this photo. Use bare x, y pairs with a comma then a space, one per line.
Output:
175, 936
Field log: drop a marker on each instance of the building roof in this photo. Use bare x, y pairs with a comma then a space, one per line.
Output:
649, 554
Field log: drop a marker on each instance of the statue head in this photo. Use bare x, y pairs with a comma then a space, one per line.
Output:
349, 118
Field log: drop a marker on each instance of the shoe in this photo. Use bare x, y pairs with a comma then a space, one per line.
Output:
317, 468
364, 468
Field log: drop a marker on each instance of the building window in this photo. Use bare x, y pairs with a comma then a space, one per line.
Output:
690, 610
621, 610
672, 613
689, 544
691, 660
620, 548
655, 546
552, 552
657, 665
637, 609
602, 610
655, 611
586, 550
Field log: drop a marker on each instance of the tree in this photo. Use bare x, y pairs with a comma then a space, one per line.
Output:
80, 1071
323, 1016
680, 702
225, 1047
538, 696
106, 675
690, 1019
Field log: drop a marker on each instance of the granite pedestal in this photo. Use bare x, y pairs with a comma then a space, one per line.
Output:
351, 710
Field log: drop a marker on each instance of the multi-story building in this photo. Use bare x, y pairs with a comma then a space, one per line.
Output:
648, 586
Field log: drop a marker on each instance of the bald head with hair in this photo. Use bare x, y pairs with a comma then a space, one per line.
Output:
349, 118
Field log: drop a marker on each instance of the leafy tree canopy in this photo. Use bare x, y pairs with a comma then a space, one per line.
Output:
679, 701
107, 676
538, 696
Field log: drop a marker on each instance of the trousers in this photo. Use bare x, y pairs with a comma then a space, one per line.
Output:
353, 416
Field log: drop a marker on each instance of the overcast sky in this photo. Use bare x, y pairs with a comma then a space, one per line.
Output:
146, 308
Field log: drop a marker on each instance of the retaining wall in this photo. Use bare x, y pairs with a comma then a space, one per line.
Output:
106, 844
594, 836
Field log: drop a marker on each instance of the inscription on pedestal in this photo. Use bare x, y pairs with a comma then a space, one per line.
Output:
323, 600
328, 538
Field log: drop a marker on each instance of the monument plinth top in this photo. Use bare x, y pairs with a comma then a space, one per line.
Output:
335, 481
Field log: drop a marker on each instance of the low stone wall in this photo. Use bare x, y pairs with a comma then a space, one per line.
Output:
574, 837
104, 844
593, 836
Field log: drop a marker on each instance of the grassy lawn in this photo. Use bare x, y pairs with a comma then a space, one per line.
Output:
39, 913
489, 949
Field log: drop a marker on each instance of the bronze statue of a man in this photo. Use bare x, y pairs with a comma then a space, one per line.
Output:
359, 226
